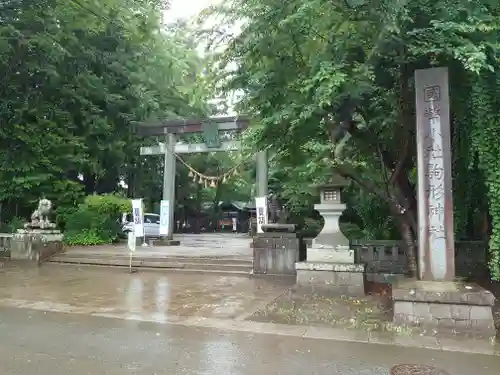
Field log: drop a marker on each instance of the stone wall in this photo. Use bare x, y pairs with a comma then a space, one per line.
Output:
5, 243
464, 307
452, 316
387, 258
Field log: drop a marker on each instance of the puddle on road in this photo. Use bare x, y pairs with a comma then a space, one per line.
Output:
150, 296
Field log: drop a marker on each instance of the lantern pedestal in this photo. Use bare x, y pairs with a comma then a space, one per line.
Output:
330, 264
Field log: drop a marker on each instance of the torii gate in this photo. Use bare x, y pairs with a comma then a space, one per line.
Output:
210, 128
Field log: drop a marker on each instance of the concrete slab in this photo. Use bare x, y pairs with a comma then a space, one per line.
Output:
216, 253
219, 245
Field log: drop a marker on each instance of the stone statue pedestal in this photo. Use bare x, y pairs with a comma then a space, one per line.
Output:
330, 261
36, 244
39, 239
40, 226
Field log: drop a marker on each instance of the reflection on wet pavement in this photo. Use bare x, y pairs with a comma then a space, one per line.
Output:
195, 300
35, 342
151, 296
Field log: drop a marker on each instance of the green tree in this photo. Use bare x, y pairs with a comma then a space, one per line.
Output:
76, 76
330, 85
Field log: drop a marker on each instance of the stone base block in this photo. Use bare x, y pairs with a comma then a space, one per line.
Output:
383, 277
276, 254
36, 244
330, 255
335, 278
463, 307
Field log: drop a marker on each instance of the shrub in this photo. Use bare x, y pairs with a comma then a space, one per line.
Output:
96, 221
310, 228
351, 231
86, 237
62, 215
11, 226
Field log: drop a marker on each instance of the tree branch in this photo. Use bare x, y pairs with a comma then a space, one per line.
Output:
348, 173
397, 169
297, 49
384, 169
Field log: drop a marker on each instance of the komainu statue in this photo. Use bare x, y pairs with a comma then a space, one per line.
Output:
40, 217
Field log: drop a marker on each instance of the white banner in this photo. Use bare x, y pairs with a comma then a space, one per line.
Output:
261, 212
164, 217
138, 217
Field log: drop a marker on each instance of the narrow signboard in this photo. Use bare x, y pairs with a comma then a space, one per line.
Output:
138, 217
164, 217
261, 212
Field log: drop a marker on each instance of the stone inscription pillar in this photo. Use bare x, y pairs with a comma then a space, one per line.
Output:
435, 197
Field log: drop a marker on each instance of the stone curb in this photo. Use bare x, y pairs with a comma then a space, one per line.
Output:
309, 332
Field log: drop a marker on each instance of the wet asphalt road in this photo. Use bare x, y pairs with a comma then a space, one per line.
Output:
35, 342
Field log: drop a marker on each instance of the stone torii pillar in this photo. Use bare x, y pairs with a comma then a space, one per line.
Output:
168, 181
262, 174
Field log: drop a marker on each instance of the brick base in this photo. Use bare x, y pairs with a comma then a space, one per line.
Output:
334, 278
466, 308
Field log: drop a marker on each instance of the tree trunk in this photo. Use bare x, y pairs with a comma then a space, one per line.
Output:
486, 227
409, 244
89, 183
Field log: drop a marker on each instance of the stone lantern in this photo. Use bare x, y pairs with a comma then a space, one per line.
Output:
331, 238
330, 260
